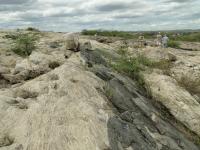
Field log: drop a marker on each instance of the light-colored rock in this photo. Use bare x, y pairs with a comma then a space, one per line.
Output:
40, 58
66, 115
86, 46
177, 100
71, 41
67, 108
172, 57
4, 70
25, 64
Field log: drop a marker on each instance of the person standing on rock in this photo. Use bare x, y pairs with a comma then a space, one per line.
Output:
158, 39
95, 36
141, 41
165, 40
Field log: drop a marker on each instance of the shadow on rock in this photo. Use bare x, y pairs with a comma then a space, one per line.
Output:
138, 123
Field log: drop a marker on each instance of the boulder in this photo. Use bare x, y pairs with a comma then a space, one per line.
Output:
172, 57
72, 42
39, 58
4, 70
25, 64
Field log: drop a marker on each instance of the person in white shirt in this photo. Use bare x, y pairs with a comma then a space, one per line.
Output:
158, 39
165, 40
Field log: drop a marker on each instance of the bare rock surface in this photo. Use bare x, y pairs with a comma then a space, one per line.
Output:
66, 113
179, 101
137, 123
192, 46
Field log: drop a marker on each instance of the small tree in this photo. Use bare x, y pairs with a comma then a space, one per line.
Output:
24, 44
32, 29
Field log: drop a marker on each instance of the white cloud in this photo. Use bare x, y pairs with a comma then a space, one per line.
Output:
64, 15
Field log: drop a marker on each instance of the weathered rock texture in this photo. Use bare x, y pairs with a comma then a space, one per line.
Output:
60, 100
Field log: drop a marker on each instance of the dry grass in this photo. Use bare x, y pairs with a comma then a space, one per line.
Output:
54, 64
191, 85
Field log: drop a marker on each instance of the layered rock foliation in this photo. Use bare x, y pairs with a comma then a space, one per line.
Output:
62, 99
138, 123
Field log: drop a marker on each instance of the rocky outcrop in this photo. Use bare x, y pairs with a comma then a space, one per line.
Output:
137, 123
65, 112
191, 46
177, 100
75, 101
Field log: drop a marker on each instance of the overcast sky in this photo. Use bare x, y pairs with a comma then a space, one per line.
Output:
75, 15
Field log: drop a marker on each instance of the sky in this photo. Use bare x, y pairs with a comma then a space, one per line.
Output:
76, 15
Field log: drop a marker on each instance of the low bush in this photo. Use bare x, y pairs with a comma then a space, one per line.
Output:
122, 34
190, 37
122, 51
186, 36
163, 64
174, 44
24, 44
32, 29
191, 85
133, 67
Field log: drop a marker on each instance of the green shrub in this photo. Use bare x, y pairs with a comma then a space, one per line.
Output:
134, 66
186, 36
24, 44
145, 61
174, 44
32, 29
122, 34
131, 67
163, 64
190, 37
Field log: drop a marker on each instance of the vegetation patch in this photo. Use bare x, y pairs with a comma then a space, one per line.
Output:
134, 66
164, 65
189, 37
122, 34
108, 92
191, 85
24, 44
32, 29
131, 67
122, 51
54, 64
174, 44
